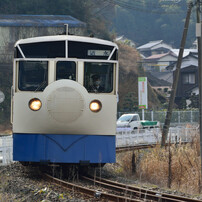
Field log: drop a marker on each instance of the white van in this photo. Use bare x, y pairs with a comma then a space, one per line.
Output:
131, 121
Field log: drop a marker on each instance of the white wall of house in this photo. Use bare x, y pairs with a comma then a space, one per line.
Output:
165, 61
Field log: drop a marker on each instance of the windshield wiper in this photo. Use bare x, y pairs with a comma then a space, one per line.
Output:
41, 86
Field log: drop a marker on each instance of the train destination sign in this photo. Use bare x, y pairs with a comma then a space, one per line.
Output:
99, 52
2, 96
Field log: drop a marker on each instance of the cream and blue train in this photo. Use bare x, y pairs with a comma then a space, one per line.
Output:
56, 116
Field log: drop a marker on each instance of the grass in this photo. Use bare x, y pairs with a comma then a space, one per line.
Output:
177, 167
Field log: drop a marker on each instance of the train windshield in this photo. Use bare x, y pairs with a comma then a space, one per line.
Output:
98, 77
33, 75
66, 70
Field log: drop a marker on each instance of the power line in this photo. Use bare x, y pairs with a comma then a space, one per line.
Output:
141, 8
142, 3
101, 9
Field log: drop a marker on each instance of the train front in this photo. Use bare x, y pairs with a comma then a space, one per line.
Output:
64, 100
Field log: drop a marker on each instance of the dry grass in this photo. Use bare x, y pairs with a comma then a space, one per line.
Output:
152, 166
5, 129
129, 58
185, 167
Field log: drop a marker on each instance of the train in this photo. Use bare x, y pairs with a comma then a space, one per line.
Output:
64, 100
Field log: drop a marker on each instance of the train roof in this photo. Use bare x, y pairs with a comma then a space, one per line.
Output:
64, 38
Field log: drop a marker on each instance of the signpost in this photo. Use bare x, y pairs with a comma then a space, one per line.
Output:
142, 94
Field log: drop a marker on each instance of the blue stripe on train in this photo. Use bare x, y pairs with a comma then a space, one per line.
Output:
64, 148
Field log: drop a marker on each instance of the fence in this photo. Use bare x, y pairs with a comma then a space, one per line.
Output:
144, 136
178, 117
6, 150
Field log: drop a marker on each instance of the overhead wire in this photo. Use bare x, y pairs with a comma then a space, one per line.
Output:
132, 6
101, 9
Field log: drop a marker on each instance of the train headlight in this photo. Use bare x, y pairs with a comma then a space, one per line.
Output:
95, 106
35, 104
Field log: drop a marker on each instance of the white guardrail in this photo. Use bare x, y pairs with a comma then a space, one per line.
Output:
6, 150
125, 137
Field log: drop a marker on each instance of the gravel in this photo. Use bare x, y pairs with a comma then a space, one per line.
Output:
19, 183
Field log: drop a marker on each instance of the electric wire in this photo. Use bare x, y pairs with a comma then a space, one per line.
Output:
132, 6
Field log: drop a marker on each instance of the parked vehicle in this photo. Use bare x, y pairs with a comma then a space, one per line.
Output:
132, 121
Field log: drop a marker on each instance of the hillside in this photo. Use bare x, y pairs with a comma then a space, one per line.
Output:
130, 69
144, 21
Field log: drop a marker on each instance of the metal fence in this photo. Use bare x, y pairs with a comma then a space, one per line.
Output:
6, 150
178, 117
153, 136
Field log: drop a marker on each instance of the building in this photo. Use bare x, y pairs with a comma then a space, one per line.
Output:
188, 77
15, 27
154, 48
159, 62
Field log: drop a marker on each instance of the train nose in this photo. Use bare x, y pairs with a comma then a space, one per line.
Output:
65, 102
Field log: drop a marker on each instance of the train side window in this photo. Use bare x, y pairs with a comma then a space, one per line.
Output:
98, 77
33, 75
66, 70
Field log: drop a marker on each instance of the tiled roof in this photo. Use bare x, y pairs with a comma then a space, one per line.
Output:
150, 44
157, 56
186, 52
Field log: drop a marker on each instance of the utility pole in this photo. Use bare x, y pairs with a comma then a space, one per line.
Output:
199, 40
176, 78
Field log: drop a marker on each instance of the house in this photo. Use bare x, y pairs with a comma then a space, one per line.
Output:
159, 62
190, 59
186, 52
154, 48
188, 77
161, 81
161, 78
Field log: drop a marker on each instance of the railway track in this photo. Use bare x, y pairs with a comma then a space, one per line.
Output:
137, 192
114, 191
135, 147
87, 191
143, 146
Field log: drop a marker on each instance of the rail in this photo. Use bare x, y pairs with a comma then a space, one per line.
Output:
132, 193
114, 191
85, 190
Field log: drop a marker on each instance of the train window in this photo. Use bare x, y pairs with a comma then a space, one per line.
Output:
98, 77
33, 75
90, 50
66, 70
50, 49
